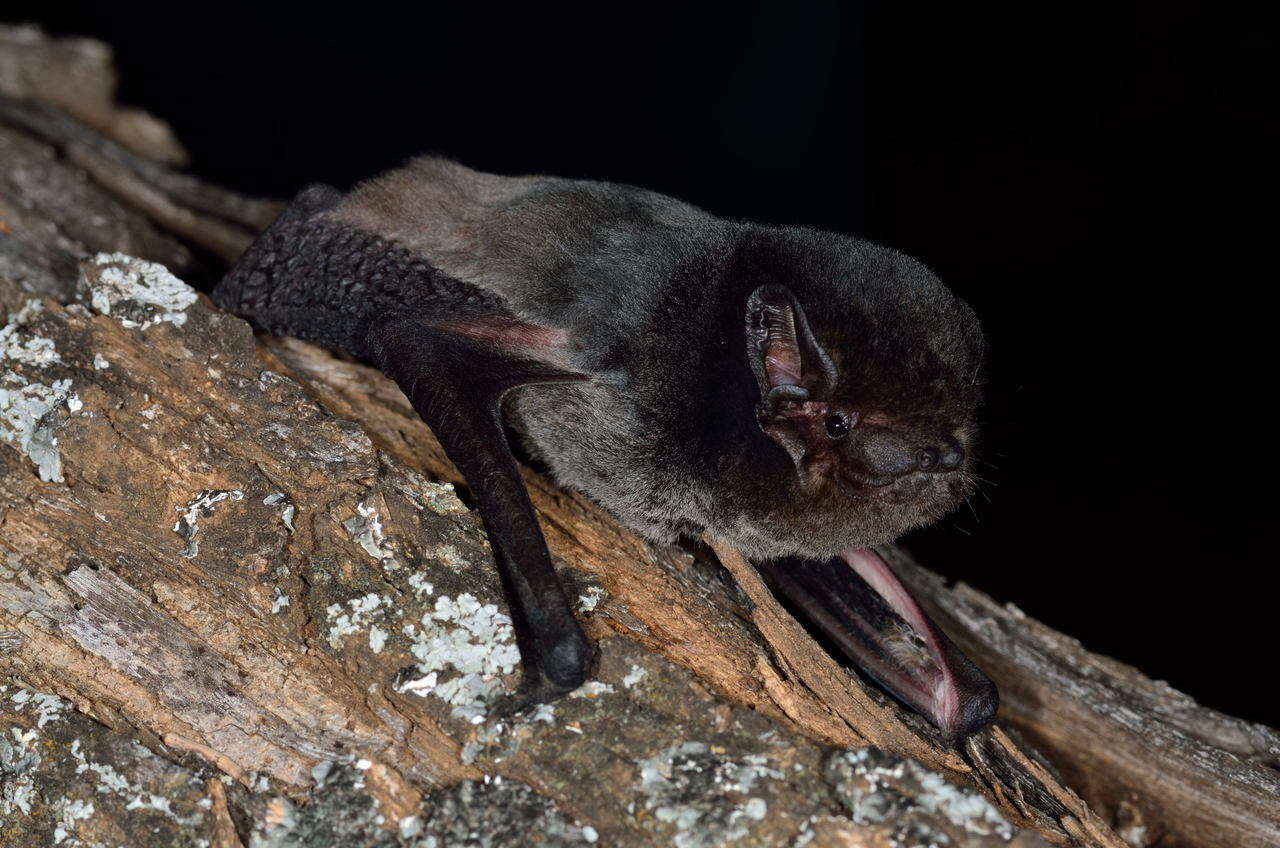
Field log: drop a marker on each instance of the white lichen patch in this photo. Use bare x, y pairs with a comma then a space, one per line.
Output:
30, 415
694, 788
19, 344
366, 531
70, 813
591, 689
285, 504
46, 707
409, 826
501, 739
109, 780
440, 498
634, 676
20, 749
140, 294
100, 362
589, 600
201, 505
419, 685
360, 614
377, 639
474, 640
420, 584
279, 600
962, 807
18, 760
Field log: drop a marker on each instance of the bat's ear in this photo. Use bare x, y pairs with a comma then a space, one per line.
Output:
788, 362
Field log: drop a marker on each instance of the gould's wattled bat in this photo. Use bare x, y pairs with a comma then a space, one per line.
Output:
797, 394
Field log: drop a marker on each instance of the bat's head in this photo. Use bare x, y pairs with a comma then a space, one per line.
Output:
867, 373
866, 378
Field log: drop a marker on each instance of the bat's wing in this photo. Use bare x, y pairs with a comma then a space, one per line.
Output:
870, 618
456, 374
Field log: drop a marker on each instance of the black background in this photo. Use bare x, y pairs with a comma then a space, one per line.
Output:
1092, 179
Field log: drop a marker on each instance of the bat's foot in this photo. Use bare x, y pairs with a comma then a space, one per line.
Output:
525, 700
557, 673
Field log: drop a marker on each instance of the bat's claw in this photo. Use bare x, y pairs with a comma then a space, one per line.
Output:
562, 670
529, 695
521, 703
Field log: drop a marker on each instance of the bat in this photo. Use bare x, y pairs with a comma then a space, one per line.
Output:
800, 395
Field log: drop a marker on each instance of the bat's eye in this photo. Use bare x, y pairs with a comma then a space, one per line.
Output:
837, 425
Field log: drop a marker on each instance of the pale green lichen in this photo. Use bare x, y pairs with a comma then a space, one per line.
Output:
470, 638
361, 613
30, 416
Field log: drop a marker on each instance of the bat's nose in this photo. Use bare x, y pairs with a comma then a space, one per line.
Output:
947, 455
896, 455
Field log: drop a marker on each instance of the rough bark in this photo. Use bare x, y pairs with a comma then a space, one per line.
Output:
239, 557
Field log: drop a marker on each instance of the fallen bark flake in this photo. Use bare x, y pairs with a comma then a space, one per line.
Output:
366, 531
287, 508
201, 505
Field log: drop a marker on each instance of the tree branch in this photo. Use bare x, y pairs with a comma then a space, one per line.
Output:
316, 625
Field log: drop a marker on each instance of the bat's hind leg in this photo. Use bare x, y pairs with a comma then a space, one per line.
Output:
454, 350
456, 383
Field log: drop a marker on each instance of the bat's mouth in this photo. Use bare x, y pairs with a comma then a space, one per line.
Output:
871, 619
